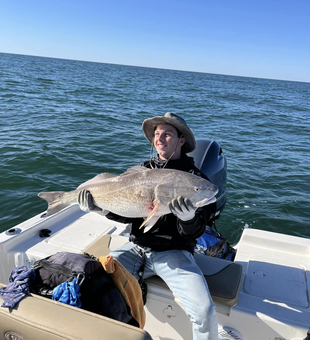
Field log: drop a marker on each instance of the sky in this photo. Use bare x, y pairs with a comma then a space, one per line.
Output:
252, 38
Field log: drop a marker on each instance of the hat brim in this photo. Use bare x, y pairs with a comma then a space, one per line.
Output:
149, 125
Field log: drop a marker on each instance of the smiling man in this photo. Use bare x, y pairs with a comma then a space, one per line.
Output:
167, 142
167, 248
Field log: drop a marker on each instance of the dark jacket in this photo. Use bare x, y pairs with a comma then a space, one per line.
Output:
169, 232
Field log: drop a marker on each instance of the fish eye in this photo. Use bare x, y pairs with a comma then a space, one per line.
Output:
196, 189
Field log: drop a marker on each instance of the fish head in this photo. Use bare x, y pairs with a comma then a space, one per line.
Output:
198, 190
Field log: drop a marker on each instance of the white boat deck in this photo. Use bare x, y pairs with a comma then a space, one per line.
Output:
274, 297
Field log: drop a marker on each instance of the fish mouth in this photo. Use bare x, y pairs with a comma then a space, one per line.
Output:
205, 201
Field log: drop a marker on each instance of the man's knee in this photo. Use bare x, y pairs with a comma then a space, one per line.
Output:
203, 312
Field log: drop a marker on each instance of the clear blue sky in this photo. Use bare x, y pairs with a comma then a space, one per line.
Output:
256, 38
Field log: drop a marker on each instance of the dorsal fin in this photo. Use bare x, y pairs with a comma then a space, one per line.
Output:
96, 179
135, 169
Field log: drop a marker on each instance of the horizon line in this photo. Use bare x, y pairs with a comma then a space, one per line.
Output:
153, 67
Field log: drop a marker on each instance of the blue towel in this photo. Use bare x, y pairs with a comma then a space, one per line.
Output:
69, 293
18, 288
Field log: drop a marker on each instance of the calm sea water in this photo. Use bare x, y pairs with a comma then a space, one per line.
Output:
63, 121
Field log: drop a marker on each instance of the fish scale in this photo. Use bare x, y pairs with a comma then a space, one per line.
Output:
139, 192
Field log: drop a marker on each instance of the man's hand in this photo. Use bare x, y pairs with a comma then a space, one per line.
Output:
85, 200
182, 208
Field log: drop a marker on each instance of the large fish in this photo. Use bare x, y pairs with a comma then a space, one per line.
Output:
139, 192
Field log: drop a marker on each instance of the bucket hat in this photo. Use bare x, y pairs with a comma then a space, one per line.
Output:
149, 125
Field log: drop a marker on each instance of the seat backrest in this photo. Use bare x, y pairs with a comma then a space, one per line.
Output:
38, 318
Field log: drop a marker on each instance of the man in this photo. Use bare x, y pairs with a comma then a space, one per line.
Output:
167, 248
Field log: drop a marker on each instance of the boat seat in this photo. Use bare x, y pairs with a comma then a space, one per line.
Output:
38, 318
223, 277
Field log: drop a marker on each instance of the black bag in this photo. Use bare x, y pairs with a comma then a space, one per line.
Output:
98, 291
100, 295
60, 267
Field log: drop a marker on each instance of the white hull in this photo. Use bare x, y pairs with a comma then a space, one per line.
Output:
273, 302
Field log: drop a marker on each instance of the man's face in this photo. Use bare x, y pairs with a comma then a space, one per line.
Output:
166, 141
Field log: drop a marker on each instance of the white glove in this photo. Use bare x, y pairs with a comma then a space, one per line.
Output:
85, 200
182, 208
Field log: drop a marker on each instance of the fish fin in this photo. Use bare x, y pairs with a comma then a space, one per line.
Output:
150, 223
96, 179
135, 169
54, 200
151, 219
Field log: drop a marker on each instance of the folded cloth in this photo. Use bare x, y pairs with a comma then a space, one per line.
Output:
127, 285
18, 288
68, 292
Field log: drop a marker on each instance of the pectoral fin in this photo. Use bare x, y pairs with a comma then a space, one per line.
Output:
150, 223
151, 219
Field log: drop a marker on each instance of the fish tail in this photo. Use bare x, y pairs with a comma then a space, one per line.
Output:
54, 200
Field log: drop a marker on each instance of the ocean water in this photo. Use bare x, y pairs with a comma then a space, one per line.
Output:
64, 121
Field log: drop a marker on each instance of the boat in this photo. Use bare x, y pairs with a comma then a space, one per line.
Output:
262, 295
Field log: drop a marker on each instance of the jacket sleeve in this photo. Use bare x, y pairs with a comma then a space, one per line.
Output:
195, 227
